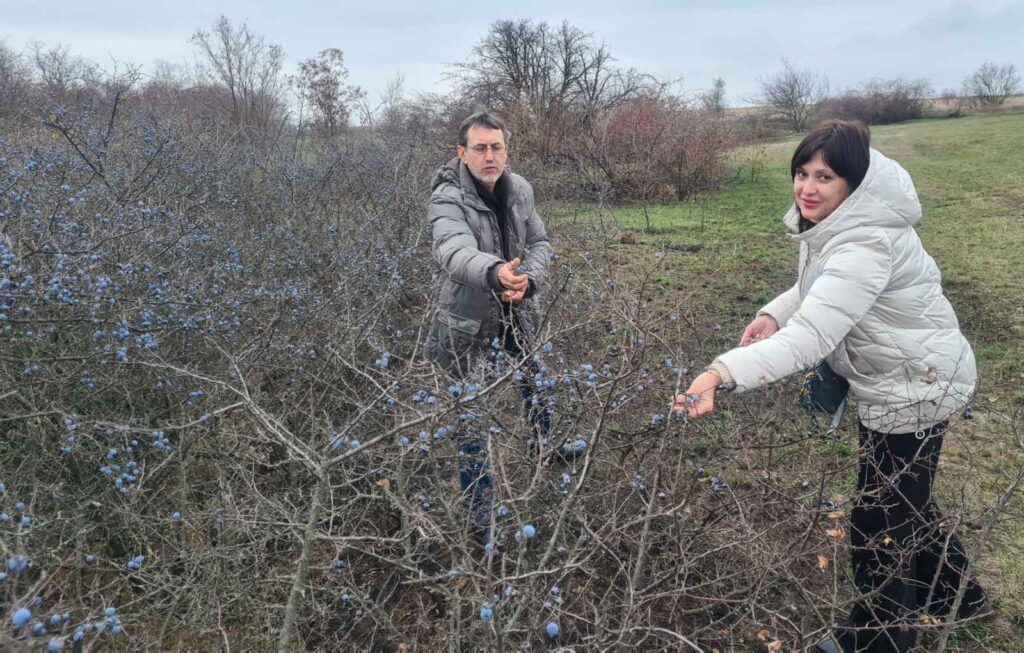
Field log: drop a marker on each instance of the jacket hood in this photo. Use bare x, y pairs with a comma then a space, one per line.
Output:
886, 198
449, 172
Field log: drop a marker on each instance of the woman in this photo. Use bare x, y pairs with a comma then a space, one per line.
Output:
868, 299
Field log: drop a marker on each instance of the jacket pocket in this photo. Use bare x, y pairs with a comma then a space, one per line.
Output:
452, 341
464, 325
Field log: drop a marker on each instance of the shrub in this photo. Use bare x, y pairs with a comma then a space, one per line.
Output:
217, 427
881, 102
954, 102
992, 84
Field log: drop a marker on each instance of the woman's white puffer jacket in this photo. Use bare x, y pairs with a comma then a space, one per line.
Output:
869, 299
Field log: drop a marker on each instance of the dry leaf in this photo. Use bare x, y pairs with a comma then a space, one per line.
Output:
775, 646
836, 533
384, 483
763, 634
461, 583
836, 514
822, 563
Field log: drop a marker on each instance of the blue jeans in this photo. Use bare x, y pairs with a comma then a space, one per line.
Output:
474, 467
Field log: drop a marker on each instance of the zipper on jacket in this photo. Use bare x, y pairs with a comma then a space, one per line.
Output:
801, 273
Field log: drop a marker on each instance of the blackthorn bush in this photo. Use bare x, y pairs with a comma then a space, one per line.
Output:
217, 426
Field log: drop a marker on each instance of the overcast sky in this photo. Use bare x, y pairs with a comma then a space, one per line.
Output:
696, 40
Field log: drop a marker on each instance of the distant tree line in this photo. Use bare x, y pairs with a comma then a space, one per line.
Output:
794, 96
583, 126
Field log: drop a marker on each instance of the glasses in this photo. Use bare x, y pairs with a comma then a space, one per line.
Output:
497, 148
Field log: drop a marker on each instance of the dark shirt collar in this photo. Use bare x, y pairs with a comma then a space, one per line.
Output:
500, 194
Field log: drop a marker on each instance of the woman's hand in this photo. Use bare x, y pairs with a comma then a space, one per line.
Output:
763, 327
699, 400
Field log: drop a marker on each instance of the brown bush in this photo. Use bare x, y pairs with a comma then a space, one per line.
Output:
882, 101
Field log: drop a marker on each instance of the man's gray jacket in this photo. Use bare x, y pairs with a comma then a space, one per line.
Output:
467, 312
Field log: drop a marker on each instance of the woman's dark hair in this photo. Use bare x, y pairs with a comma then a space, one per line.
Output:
845, 146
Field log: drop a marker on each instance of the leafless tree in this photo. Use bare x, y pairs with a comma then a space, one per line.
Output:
538, 75
169, 74
392, 111
714, 99
247, 68
992, 84
321, 83
526, 62
793, 94
59, 72
15, 81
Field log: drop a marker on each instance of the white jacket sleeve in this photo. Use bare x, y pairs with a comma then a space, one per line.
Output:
854, 274
782, 307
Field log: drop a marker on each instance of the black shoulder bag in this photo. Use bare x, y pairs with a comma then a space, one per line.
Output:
824, 391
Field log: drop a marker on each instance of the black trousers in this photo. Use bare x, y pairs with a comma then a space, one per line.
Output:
906, 560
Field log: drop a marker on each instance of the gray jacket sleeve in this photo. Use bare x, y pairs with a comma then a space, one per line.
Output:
537, 258
454, 245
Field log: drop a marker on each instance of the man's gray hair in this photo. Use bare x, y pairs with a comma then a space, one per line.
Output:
481, 119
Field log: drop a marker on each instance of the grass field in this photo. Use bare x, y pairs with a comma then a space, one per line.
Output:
967, 173
721, 256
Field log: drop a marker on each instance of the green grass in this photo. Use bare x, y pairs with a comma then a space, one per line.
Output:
969, 174
725, 254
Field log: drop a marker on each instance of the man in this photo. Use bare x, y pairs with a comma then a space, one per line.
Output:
491, 246
494, 255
